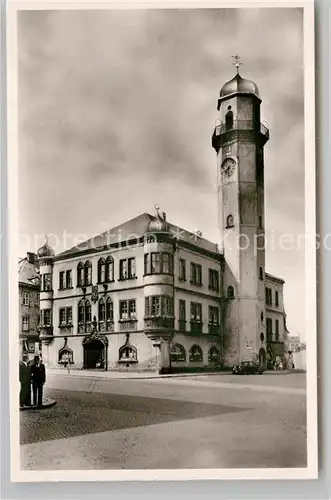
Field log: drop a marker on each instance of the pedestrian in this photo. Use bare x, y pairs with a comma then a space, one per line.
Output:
66, 361
25, 380
38, 378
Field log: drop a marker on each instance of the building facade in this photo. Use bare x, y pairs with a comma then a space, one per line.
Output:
150, 295
29, 288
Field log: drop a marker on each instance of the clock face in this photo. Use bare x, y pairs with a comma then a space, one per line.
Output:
228, 166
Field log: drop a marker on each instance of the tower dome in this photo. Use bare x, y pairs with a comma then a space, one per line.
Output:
158, 223
45, 251
239, 85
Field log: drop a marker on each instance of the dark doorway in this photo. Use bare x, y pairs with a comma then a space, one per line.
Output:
94, 355
262, 358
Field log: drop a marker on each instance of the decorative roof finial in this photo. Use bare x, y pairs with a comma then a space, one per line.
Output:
46, 239
237, 62
157, 208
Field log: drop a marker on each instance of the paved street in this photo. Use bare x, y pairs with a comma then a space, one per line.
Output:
216, 421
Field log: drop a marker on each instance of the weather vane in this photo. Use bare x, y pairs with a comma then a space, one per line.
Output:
237, 62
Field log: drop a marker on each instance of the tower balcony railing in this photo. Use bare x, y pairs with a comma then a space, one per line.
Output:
239, 125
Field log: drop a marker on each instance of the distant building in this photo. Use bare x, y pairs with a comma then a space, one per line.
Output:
150, 295
293, 343
29, 288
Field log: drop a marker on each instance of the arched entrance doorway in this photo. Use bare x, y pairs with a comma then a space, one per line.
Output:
95, 352
262, 357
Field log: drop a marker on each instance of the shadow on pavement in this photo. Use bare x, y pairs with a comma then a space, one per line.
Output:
78, 413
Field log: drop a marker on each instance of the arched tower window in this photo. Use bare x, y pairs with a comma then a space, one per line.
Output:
229, 119
229, 221
230, 292
80, 274
101, 270
178, 353
87, 273
261, 273
109, 269
195, 354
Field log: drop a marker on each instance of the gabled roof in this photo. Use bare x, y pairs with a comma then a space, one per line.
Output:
133, 230
28, 273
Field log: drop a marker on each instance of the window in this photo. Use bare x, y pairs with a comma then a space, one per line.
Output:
276, 299
69, 278
101, 270
167, 263
213, 315
84, 312
261, 316
158, 263
65, 279
182, 310
260, 222
46, 282
127, 268
25, 298
87, 273
214, 355
195, 354
109, 269
196, 312
269, 327
128, 353
277, 329
182, 269
230, 292
213, 279
81, 312
109, 310
196, 274
80, 274
178, 353
159, 306
147, 263
62, 280
229, 221
156, 306
102, 310
25, 323
66, 355
261, 273
65, 316
127, 309
45, 317
229, 119
268, 296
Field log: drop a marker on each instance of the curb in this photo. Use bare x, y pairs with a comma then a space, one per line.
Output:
47, 403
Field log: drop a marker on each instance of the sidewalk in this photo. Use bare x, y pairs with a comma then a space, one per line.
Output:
146, 375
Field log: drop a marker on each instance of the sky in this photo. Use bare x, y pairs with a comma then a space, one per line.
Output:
116, 112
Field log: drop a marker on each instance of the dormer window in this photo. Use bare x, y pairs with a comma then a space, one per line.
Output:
229, 221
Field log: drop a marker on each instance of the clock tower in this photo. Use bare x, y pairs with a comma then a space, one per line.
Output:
239, 139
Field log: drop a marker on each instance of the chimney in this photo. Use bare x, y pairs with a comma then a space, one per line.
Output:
164, 215
31, 258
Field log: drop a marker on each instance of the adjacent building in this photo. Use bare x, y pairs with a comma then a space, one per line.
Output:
29, 288
150, 295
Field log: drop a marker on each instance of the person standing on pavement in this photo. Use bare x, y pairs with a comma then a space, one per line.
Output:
25, 380
38, 378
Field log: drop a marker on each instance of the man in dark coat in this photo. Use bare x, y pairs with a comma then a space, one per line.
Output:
38, 378
25, 380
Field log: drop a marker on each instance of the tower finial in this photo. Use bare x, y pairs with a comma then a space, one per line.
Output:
237, 62
46, 239
157, 208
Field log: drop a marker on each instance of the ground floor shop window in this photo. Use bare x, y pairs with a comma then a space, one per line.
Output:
178, 353
195, 354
